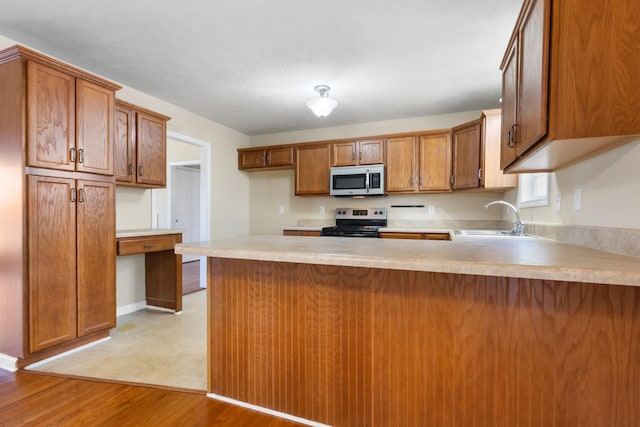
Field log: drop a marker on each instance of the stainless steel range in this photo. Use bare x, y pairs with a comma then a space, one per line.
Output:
352, 222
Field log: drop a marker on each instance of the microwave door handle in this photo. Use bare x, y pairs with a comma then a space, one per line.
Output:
366, 181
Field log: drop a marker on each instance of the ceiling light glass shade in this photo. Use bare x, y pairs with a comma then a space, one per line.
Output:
322, 105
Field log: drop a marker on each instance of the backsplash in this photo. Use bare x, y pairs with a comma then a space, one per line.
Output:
623, 241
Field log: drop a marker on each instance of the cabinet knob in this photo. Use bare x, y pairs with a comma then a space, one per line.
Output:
140, 170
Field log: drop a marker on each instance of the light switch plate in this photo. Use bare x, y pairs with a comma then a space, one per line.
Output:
577, 200
281, 209
431, 209
558, 201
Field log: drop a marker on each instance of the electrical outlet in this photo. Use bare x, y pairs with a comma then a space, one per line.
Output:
577, 200
558, 201
321, 210
431, 209
281, 209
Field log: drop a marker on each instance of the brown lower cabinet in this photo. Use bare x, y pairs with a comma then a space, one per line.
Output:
352, 346
313, 233
71, 259
383, 235
414, 236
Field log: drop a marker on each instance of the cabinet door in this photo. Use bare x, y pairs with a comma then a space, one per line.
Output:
534, 75
435, 162
94, 128
312, 170
467, 143
50, 118
252, 159
52, 261
344, 154
277, 157
509, 108
124, 159
96, 231
401, 156
151, 150
371, 152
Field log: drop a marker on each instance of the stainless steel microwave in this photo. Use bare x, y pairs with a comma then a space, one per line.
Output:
357, 180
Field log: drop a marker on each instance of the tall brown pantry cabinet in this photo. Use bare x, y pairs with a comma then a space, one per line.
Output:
57, 214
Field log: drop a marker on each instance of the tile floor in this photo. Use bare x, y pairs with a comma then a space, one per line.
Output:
147, 346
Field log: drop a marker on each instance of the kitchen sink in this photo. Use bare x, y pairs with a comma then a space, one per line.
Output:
488, 233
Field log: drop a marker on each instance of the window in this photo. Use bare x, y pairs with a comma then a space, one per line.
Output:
533, 190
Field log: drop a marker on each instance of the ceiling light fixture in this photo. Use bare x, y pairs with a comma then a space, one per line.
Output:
322, 104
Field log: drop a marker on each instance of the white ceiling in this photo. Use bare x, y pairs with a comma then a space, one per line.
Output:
252, 64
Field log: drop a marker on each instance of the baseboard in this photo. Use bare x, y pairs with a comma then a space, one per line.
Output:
126, 309
8, 363
58, 356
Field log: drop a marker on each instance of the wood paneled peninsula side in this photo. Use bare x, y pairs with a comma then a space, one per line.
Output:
476, 330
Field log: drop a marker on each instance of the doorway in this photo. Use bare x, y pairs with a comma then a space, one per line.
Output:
186, 202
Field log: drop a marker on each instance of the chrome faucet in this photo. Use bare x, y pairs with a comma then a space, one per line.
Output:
518, 226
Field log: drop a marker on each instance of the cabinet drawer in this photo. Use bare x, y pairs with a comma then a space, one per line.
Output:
312, 233
146, 244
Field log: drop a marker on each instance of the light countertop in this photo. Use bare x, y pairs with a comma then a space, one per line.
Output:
143, 232
523, 257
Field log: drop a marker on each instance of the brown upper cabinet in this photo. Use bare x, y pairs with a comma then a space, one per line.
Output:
312, 170
69, 120
476, 155
467, 150
416, 162
265, 158
420, 163
565, 87
351, 153
140, 146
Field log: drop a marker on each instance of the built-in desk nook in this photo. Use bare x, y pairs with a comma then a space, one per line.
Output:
163, 267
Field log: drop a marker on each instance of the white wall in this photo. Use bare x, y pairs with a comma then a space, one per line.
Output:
610, 187
443, 121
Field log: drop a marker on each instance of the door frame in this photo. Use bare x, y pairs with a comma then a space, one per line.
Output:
205, 194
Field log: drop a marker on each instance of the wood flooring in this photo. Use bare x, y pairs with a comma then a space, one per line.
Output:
35, 399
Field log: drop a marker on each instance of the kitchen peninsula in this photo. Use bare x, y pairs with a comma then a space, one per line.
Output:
476, 330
